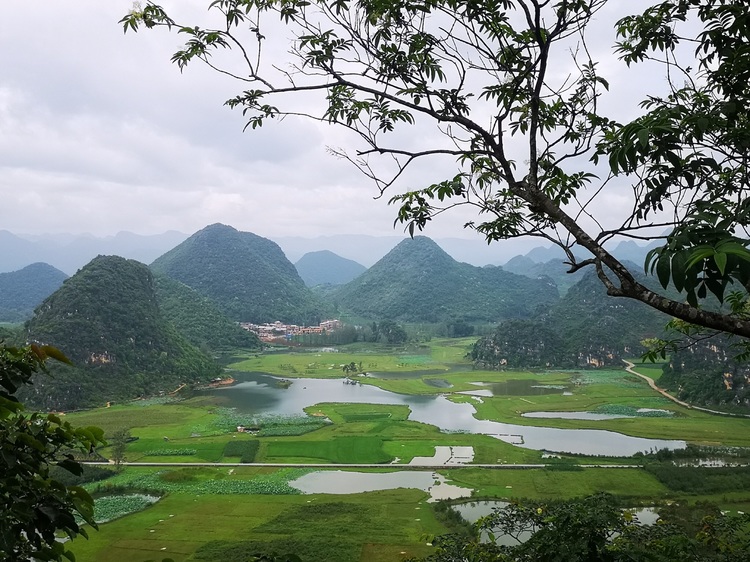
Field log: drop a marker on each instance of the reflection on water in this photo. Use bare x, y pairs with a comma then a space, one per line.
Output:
258, 393
345, 482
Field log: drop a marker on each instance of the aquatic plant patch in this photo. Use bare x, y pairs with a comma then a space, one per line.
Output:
171, 453
275, 483
229, 419
108, 508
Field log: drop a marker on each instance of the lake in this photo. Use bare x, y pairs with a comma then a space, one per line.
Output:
259, 393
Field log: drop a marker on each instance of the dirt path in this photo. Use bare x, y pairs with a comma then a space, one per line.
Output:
664, 393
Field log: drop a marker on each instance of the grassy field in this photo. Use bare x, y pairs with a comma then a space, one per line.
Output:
225, 513
384, 525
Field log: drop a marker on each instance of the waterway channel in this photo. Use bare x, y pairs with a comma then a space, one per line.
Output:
259, 393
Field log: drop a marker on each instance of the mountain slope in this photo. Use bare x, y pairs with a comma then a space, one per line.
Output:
555, 269
106, 319
327, 268
418, 282
585, 328
247, 276
21, 291
198, 319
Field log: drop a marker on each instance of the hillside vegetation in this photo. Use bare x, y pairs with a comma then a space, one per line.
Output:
198, 318
585, 328
106, 319
418, 282
246, 276
23, 290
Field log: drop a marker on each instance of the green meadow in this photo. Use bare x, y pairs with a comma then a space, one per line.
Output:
229, 512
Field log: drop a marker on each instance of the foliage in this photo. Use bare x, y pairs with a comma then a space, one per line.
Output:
34, 506
534, 150
390, 332
198, 318
119, 442
701, 480
21, 291
107, 318
706, 371
89, 473
585, 328
247, 277
596, 528
418, 282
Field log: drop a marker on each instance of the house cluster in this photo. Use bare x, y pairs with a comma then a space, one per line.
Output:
276, 330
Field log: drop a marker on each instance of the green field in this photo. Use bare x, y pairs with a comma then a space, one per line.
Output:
227, 513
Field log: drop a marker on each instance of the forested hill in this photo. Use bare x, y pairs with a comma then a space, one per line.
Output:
555, 269
247, 276
107, 321
21, 291
327, 268
708, 373
418, 282
198, 318
585, 328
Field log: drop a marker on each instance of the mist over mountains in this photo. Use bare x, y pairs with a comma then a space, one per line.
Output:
69, 252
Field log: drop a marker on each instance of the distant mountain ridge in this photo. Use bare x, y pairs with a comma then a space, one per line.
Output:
107, 320
326, 268
419, 282
23, 290
69, 253
247, 276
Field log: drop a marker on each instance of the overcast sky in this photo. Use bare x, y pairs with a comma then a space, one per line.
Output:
100, 132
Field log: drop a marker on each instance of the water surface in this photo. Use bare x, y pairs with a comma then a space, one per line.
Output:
258, 393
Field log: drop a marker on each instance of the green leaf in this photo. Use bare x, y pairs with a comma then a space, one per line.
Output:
720, 258
662, 270
643, 137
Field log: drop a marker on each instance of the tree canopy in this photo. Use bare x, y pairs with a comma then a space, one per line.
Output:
512, 91
34, 505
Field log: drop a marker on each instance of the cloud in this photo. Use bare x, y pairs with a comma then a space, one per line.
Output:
100, 132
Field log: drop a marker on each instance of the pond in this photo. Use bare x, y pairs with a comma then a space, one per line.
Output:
258, 393
346, 482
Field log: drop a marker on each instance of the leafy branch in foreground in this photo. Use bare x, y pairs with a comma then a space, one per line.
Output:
35, 507
510, 91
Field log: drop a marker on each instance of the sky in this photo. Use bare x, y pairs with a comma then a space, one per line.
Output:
100, 133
